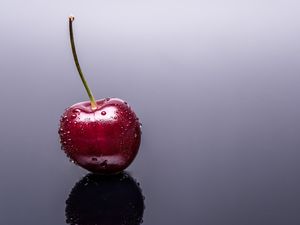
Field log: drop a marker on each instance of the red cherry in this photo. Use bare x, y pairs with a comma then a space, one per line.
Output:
105, 140
101, 136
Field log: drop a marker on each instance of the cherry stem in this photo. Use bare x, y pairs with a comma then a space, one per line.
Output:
91, 97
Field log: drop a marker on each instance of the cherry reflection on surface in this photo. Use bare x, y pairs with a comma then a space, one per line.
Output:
105, 200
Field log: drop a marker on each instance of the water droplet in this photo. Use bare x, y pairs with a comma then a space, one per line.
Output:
60, 130
135, 135
107, 99
68, 132
76, 111
103, 113
125, 103
104, 163
73, 116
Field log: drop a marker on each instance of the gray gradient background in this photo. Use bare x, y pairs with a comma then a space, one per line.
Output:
215, 83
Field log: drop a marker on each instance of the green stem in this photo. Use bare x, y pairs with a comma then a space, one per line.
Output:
91, 97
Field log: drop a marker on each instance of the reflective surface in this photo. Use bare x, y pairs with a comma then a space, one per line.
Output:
115, 200
216, 85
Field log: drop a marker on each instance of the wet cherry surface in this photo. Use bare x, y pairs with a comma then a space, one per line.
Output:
105, 140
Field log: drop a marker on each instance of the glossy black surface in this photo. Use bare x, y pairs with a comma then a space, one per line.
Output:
115, 199
216, 85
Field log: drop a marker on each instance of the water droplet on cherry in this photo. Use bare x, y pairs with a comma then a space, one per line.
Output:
76, 111
104, 163
103, 113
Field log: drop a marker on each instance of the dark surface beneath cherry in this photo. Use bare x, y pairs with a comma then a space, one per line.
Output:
215, 85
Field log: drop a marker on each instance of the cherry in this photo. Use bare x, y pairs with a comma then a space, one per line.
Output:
101, 136
109, 200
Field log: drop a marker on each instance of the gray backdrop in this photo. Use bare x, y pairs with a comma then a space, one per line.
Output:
216, 85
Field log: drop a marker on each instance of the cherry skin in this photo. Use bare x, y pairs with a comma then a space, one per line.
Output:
104, 140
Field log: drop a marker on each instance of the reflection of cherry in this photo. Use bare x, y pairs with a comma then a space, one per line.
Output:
101, 136
105, 200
